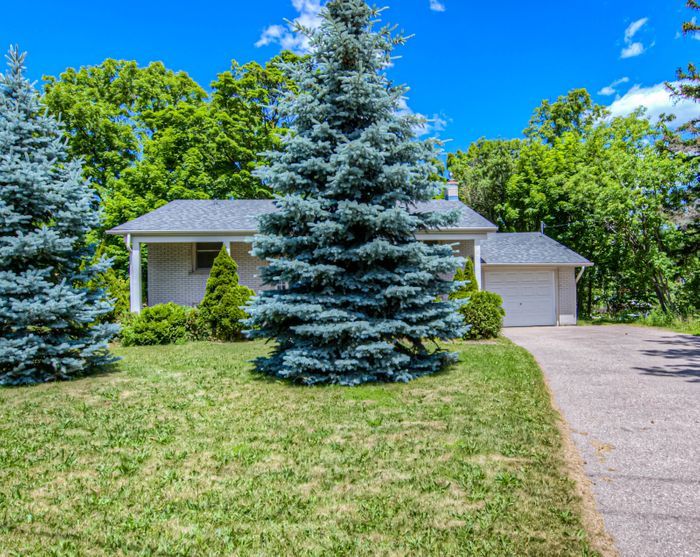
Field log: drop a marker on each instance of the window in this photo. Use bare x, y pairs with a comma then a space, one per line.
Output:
205, 254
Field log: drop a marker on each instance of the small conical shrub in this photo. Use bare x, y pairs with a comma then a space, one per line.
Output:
468, 277
221, 310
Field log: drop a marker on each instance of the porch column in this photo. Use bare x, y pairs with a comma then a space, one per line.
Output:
477, 262
135, 276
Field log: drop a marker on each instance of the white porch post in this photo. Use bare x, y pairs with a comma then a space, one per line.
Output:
477, 262
135, 276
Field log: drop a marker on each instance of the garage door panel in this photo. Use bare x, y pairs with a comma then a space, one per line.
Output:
528, 296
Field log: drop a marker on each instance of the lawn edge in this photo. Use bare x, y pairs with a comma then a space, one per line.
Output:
669, 329
598, 536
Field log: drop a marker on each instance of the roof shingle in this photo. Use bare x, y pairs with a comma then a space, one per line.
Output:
527, 248
241, 215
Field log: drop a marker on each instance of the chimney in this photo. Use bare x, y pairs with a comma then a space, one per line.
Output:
452, 190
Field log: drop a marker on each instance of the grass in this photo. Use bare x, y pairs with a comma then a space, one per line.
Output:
184, 451
689, 326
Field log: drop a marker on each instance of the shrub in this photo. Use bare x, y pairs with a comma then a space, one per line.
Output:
221, 310
659, 318
160, 324
117, 290
484, 313
467, 276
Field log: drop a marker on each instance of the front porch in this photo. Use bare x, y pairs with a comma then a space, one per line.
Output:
178, 267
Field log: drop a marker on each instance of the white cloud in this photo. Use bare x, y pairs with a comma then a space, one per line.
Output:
694, 35
438, 123
633, 48
657, 100
286, 36
437, 6
612, 88
432, 125
634, 27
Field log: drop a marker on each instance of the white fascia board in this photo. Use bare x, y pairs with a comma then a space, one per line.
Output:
181, 233
175, 236
452, 235
190, 239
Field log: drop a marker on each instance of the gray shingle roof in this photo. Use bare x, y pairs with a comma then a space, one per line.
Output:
527, 248
241, 215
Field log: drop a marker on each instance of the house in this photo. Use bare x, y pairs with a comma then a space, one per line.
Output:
535, 275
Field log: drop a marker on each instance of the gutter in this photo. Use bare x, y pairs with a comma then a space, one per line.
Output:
127, 233
540, 264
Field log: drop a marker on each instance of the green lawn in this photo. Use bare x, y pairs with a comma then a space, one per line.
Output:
184, 451
690, 326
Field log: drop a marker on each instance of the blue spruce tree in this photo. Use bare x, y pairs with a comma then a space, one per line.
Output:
356, 296
47, 310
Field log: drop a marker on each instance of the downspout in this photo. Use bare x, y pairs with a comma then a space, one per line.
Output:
578, 278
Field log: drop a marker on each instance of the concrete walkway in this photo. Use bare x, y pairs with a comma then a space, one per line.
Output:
632, 398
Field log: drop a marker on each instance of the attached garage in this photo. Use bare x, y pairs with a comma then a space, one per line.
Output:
529, 297
535, 276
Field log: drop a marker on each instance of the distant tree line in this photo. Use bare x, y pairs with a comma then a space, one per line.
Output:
613, 189
149, 135
622, 191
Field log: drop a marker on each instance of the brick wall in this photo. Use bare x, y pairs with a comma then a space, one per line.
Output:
567, 296
248, 266
172, 277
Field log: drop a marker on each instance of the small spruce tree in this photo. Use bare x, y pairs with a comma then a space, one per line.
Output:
355, 292
467, 282
221, 311
48, 311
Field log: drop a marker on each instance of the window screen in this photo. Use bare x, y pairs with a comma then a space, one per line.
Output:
206, 253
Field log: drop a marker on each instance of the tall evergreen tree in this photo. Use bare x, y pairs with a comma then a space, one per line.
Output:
688, 87
355, 296
47, 311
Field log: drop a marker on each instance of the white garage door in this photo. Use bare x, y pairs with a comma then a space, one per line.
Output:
528, 296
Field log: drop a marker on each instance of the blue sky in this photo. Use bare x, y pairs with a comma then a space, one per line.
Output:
476, 68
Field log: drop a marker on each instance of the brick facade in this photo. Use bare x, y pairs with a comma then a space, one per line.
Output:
172, 276
567, 295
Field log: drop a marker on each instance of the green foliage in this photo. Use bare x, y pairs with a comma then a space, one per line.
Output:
483, 173
221, 310
608, 188
660, 318
467, 276
688, 87
149, 135
160, 324
574, 112
116, 288
484, 314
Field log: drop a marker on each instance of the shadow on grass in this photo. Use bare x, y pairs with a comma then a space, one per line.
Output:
260, 376
104, 371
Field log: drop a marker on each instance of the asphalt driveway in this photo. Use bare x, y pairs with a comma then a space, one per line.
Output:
632, 398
